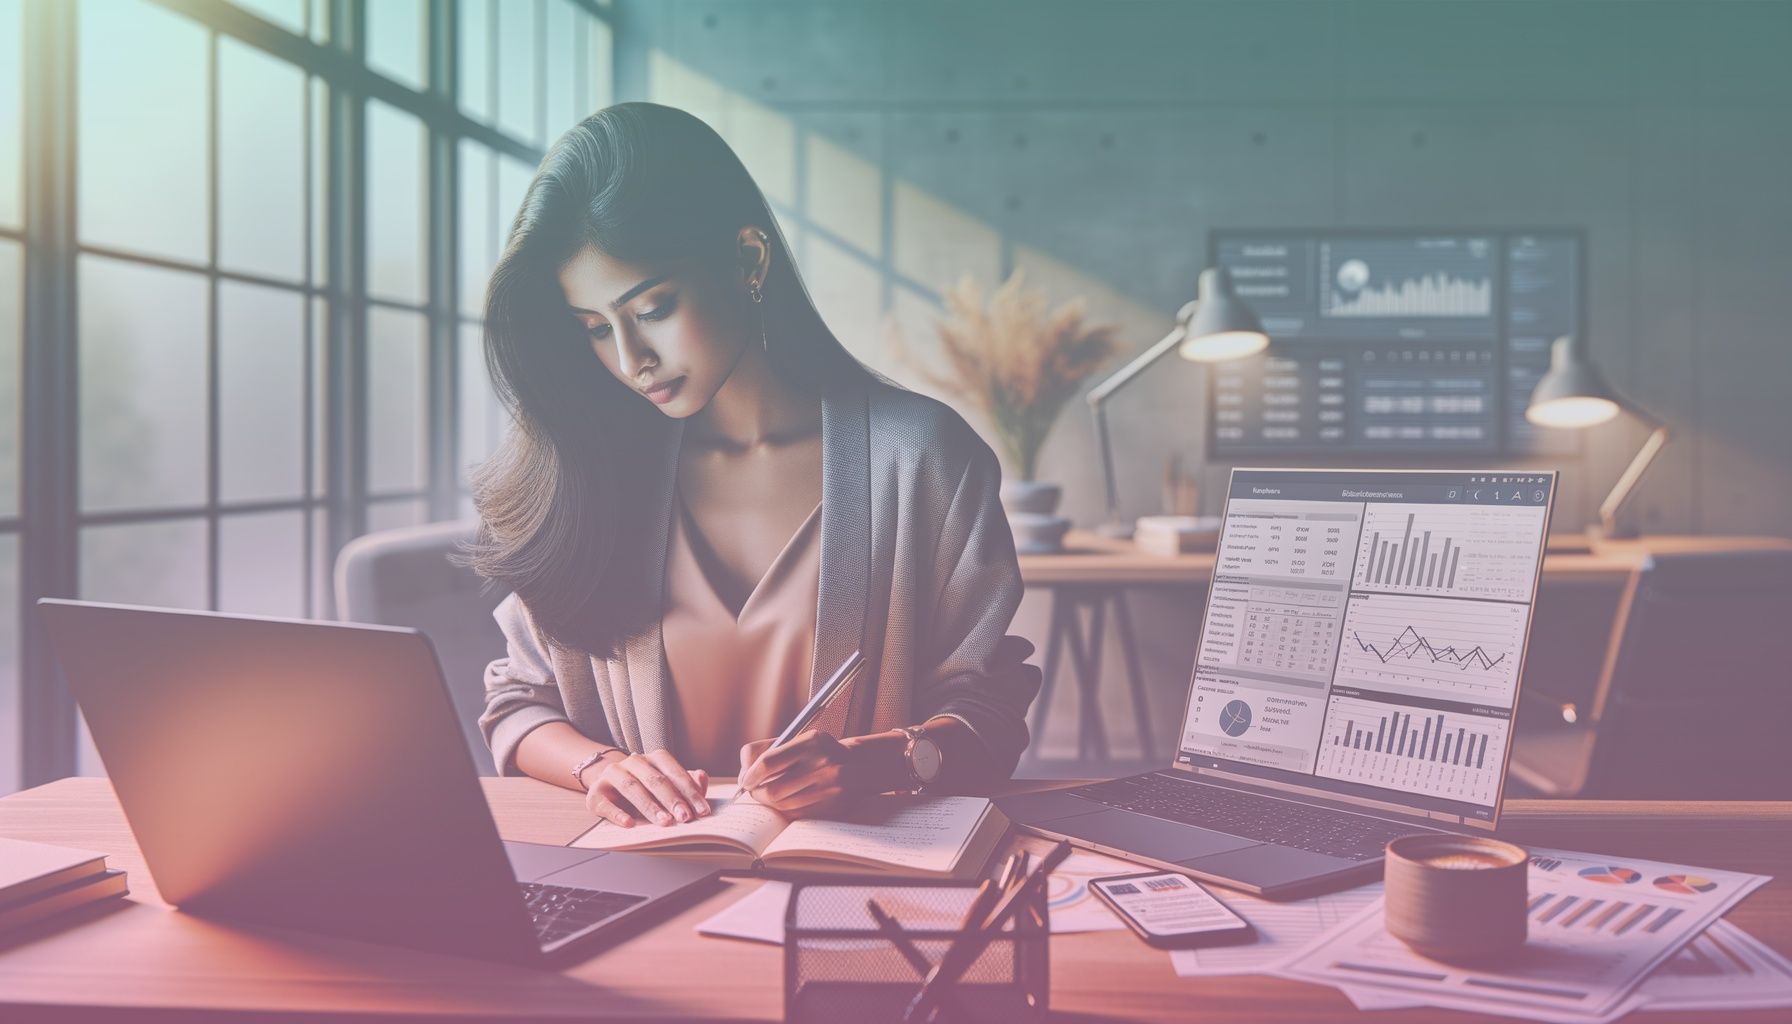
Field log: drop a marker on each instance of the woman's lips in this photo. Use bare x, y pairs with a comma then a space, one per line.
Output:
662, 393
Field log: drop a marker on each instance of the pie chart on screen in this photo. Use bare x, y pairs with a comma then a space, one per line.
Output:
1611, 874
1235, 718
1686, 885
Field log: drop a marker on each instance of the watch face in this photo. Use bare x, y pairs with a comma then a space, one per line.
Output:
924, 759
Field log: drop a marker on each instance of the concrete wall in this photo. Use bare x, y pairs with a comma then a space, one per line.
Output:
1094, 144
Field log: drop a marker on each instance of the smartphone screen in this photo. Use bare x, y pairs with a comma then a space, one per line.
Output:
1166, 907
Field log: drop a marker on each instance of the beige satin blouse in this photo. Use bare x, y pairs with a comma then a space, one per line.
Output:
737, 678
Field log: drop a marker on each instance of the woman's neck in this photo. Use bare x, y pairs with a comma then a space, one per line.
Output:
754, 408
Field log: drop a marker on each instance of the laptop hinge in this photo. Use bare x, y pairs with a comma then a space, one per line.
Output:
1353, 805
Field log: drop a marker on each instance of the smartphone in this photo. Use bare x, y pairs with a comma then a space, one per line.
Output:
1170, 911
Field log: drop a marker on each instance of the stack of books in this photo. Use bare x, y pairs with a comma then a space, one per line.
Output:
1176, 535
39, 881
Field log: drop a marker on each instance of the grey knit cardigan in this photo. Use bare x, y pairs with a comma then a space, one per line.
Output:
918, 571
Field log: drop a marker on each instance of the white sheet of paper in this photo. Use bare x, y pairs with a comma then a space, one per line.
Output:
759, 915
1073, 907
1599, 925
1726, 968
1381, 999
1283, 930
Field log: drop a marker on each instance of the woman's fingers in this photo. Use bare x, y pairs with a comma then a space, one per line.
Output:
624, 787
786, 789
651, 787
700, 779
749, 775
672, 804
805, 745
681, 780
608, 810
800, 754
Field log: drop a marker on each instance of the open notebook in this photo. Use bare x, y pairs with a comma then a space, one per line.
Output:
928, 837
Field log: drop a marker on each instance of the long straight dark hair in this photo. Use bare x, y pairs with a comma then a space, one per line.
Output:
562, 502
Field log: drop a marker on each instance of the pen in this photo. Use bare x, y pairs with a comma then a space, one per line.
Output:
893, 931
823, 697
817, 704
975, 937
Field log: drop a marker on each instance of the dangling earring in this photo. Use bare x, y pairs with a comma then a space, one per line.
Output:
758, 297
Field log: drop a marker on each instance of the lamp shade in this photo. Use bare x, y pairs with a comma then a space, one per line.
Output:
1218, 325
1573, 393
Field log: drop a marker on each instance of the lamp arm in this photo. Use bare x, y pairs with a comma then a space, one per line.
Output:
1627, 481
1100, 393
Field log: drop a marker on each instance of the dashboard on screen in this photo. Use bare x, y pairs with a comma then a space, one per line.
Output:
1391, 342
1365, 632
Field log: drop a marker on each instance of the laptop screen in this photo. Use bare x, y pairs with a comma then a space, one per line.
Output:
1365, 634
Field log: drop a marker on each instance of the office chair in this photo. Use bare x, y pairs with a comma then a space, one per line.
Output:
403, 578
1696, 693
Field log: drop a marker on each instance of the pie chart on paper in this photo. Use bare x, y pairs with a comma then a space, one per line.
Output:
1686, 885
1610, 874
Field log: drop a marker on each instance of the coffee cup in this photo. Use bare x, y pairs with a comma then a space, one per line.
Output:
1457, 898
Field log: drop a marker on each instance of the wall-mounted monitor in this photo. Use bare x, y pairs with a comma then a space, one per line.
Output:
1411, 342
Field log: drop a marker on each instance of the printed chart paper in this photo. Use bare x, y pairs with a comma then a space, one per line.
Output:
1598, 925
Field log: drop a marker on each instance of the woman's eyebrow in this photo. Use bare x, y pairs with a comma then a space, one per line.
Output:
625, 296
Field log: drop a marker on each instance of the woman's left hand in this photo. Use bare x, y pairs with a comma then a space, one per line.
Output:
811, 776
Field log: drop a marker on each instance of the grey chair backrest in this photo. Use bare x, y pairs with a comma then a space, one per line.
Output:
404, 578
1696, 697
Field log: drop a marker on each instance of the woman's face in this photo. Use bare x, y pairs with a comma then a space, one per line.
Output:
672, 336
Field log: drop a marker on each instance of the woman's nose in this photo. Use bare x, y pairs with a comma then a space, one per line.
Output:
633, 358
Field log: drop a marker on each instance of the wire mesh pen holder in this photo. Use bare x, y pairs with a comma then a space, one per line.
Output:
840, 964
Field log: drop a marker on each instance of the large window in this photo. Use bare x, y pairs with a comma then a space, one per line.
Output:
266, 323
12, 322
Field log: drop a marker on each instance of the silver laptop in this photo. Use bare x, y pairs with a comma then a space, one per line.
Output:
311, 775
1355, 680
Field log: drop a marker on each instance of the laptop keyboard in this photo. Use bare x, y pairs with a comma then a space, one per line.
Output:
1282, 822
558, 911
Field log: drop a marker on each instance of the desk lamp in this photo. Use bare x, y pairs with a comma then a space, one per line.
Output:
1575, 394
1216, 327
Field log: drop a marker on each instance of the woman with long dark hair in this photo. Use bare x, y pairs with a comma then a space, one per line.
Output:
706, 503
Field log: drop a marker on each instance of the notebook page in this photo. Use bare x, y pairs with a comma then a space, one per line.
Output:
736, 819
923, 835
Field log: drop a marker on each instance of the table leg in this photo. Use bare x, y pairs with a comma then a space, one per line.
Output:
1085, 653
1054, 643
1129, 647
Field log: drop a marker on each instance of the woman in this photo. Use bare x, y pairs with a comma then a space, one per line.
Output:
707, 504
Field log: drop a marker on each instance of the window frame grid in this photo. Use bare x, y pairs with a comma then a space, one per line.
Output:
50, 520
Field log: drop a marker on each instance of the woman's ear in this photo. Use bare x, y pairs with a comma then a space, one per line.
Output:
753, 246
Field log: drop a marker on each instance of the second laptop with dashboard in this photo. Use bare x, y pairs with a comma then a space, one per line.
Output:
1355, 680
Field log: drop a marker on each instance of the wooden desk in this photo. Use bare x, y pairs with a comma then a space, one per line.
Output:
143, 955
1092, 558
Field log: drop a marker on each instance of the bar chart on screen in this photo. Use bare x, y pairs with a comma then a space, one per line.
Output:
1434, 750
1433, 647
1484, 551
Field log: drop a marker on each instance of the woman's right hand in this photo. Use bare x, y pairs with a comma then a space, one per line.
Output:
645, 787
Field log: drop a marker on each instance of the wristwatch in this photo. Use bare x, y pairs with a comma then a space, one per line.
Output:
923, 757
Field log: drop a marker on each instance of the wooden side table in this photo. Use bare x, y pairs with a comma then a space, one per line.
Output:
1067, 629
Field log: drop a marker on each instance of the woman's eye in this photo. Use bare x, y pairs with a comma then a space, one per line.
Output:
598, 330
659, 312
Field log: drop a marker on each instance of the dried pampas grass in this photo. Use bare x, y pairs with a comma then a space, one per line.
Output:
1015, 361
